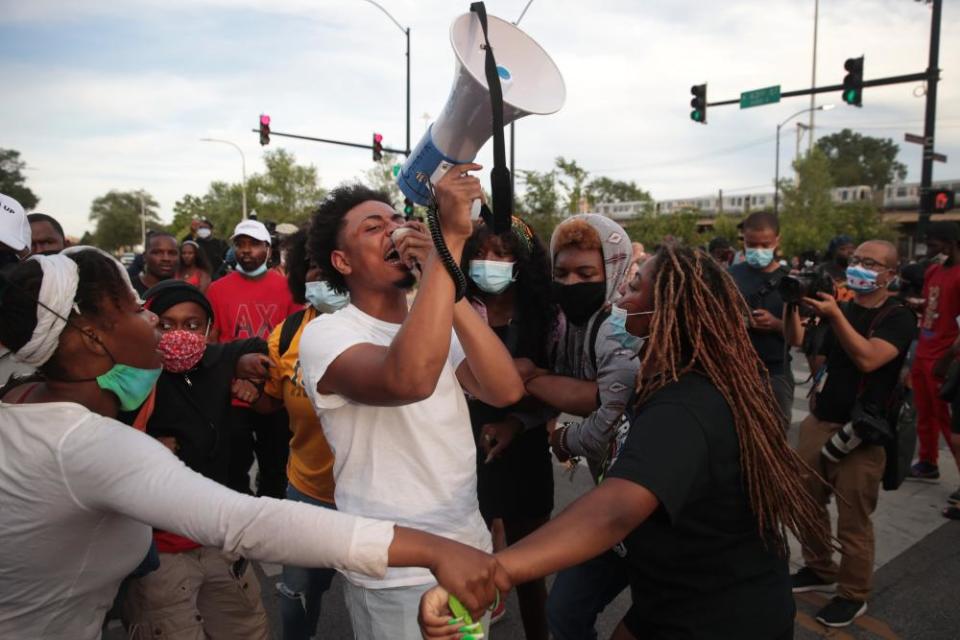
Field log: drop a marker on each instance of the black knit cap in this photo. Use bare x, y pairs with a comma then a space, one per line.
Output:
943, 230
168, 293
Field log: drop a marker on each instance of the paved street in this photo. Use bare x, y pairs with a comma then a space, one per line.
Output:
917, 560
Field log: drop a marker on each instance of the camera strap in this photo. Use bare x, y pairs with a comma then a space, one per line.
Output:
884, 312
499, 218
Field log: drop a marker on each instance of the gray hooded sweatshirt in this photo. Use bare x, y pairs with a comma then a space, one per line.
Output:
615, 369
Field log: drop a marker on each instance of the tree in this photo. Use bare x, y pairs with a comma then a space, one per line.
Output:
117, 218
572, 178
12, 181
809, 218
855, 159
603, 189
651, 230
381, 178
540, 202
725, 226
287, 192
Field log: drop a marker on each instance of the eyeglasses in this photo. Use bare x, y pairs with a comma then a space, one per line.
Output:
867, 263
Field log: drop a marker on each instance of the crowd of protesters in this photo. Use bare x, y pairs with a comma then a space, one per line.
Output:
283, 400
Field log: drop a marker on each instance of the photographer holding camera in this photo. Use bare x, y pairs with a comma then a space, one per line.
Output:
864, 349
758, 279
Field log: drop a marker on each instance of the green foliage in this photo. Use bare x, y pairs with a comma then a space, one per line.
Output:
539, 204
603, 189
725, 226
12, 180
381, 177
651, 229
857, 159
117, 218
572, 179
287, 192
809, 218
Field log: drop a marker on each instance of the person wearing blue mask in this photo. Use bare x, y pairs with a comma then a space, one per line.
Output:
248, 303
862, 356
310, 465
757, 278
509, 286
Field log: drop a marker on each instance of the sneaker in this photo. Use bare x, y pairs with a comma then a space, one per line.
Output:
924, 471
840, 612
806, 579
501, 610
954, 498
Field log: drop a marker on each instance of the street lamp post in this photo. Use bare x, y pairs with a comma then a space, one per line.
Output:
243, 168
776, 175
406, 32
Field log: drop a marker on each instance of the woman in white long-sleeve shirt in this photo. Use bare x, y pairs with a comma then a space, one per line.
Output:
79, 491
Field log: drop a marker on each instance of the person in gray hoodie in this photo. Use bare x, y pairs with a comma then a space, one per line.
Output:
593, 375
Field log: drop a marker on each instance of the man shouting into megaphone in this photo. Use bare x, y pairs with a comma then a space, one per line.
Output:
388, 382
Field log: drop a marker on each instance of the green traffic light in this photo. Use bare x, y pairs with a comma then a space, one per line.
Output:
696, 115
850, 97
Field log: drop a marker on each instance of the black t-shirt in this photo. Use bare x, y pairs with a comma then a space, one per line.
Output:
760, 291
699, 568
898, 326
193, 407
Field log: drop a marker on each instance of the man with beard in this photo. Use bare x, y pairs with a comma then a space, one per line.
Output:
388, 381
160, 259
249, 303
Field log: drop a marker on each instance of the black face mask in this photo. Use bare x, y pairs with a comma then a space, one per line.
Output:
579, 301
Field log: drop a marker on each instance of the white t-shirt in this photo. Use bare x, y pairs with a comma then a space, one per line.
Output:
79, 493
415, 464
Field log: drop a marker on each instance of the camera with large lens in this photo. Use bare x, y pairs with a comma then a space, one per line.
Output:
806, 284
868, 425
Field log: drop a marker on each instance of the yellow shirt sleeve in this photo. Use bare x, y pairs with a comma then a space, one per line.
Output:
273, 387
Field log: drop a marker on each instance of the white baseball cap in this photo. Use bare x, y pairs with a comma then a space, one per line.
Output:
14, 226
252, 228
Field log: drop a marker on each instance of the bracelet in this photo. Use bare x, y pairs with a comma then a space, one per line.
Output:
562, 443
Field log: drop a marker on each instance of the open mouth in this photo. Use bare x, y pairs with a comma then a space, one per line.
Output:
392, 257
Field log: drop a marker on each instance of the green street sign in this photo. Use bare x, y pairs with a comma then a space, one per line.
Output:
396, 170
757, 97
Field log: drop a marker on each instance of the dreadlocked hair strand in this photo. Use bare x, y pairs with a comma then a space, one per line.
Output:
699, 325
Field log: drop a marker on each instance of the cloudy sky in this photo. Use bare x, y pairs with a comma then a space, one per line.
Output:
101, 95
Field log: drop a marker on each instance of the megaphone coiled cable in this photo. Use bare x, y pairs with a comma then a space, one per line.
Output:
436, 234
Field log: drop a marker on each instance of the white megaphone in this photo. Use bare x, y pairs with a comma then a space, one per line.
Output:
531, 83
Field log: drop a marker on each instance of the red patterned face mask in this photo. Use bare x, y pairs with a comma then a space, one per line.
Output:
181, 350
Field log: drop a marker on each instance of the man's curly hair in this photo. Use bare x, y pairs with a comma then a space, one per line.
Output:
326, 224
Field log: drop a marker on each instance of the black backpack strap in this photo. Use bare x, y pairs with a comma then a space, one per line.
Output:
289, 329
500, 183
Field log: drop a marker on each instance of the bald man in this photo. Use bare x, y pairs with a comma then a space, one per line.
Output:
865, 346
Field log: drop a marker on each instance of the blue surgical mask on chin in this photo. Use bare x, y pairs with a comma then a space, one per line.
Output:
618, 326
492, 276
759, 258
259, 271
131, 385
323, 298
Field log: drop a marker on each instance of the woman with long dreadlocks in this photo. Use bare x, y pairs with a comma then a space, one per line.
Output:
704, 488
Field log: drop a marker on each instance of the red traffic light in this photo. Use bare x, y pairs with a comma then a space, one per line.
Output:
265, 120
377, 147
378, 138
264, 129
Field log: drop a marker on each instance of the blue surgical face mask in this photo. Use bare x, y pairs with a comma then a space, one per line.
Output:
759, 258
323, 298
861, 279
618, 326
256, 273
492, 276
131, 385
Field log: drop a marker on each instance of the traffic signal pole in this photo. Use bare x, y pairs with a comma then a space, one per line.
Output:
879, 82
357, 145
930, 120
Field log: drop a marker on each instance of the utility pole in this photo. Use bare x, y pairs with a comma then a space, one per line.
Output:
143, 221
813, 77
930, 119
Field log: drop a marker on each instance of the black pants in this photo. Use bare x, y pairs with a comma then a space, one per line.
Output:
267, 436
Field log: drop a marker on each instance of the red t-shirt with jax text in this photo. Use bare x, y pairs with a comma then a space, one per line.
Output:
938, 325
250, 307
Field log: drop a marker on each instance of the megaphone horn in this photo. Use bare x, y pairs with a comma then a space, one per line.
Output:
531, 83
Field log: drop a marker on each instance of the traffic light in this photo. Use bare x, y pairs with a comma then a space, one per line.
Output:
407, 208
264, 129
699, 103
377, 147
938, 200
853, 82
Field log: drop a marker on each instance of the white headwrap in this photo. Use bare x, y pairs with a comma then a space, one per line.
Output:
57, 292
